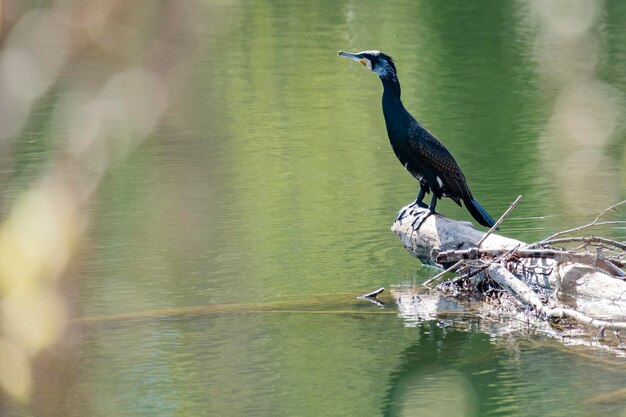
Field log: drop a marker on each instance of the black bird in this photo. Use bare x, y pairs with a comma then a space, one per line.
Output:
421, 153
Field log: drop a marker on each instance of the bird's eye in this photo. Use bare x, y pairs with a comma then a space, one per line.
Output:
363, 62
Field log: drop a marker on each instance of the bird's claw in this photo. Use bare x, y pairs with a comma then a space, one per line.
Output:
420, 218
400, 215
413, 207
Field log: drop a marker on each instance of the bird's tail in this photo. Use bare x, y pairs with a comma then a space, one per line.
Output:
479, 213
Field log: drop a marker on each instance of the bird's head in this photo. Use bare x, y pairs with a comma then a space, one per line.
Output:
376, 61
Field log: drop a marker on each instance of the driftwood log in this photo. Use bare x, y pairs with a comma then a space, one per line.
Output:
584, 285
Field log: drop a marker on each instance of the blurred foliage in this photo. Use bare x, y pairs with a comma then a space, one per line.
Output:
65, 135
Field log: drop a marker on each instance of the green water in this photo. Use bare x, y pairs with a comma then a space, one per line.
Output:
218, 274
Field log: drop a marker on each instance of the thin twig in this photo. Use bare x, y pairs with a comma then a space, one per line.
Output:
439, 275
593, 223
588, 240
500, 220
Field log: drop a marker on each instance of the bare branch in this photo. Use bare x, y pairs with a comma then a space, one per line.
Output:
475, 253
441, 274
591, 240
595, 259
593, 223
500, 220
584, 319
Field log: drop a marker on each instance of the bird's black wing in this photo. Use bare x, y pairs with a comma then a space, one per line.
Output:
435, 157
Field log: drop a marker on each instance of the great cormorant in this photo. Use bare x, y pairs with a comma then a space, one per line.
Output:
421, 153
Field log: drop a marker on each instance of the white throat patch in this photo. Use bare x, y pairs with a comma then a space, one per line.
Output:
384, 70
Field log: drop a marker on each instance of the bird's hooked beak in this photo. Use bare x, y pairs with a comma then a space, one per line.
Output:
356, 57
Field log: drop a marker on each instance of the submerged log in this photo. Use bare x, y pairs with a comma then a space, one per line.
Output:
583, 286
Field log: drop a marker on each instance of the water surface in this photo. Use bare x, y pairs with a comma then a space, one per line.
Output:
218, 272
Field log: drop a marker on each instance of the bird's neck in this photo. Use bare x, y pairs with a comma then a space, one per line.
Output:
391, 86
396, 116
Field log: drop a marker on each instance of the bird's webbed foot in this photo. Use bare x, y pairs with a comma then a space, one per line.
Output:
415, 206
422, 213
420, 217
402, 214
408, 210
411, 209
